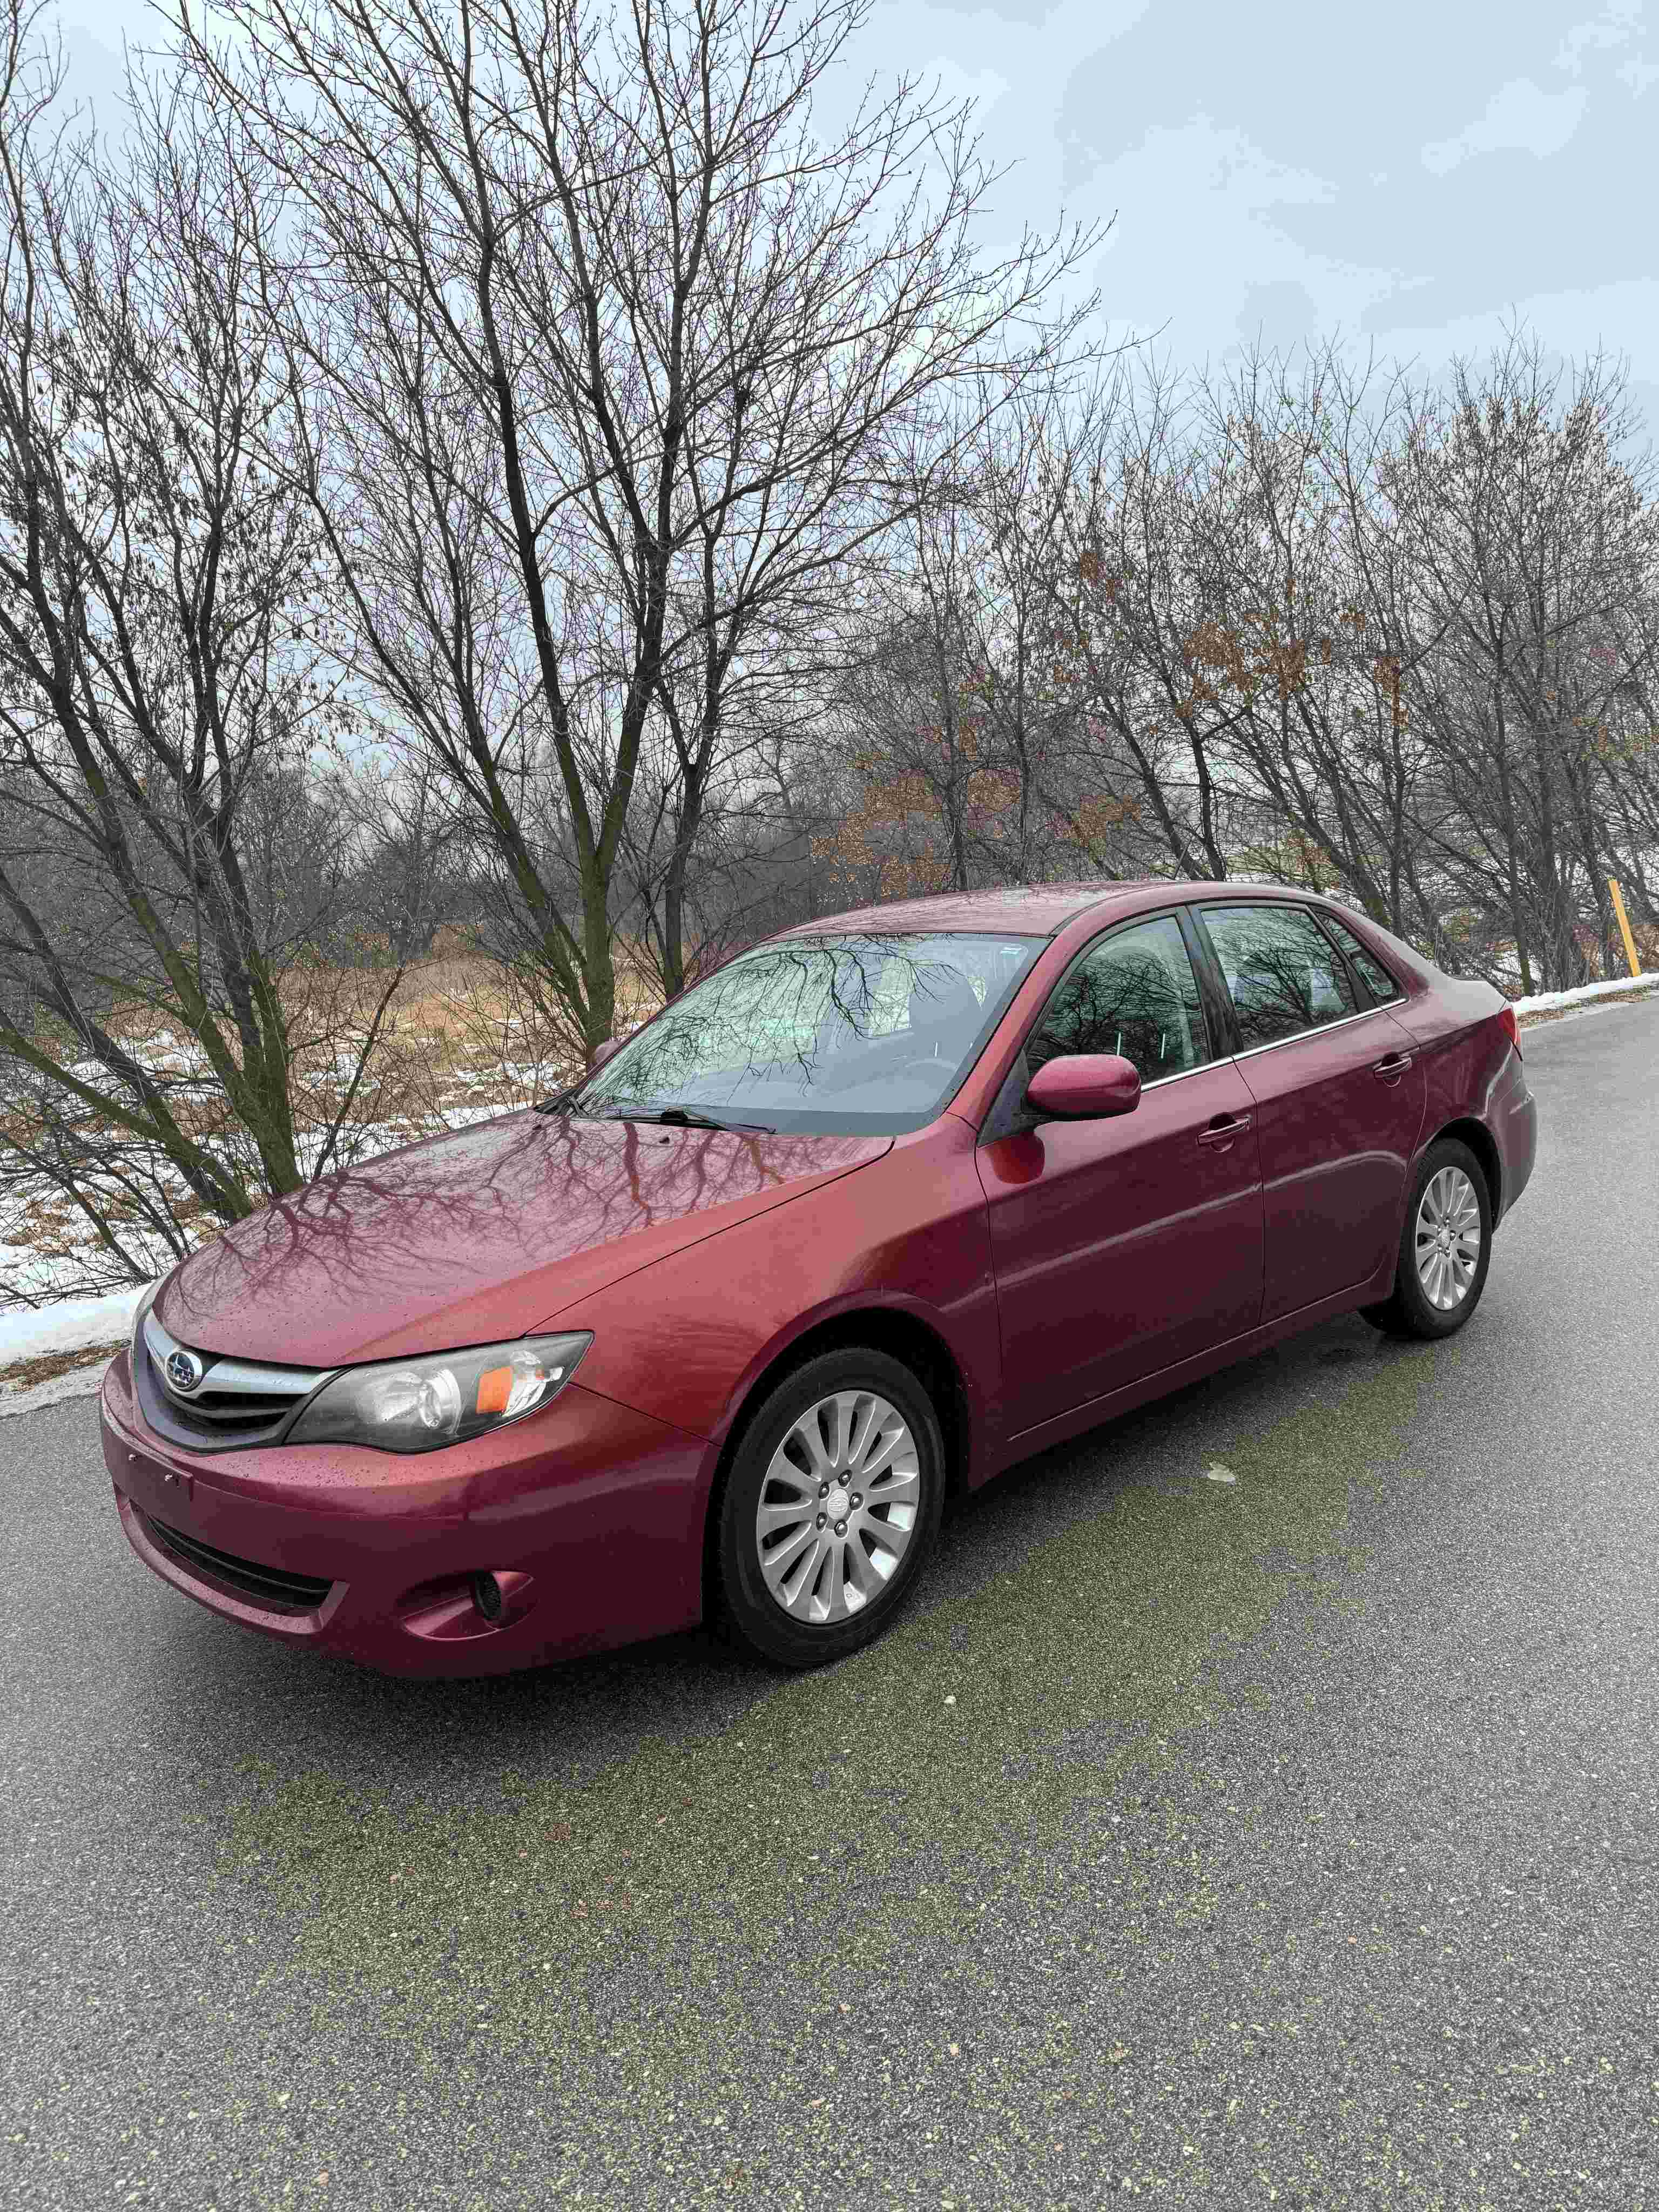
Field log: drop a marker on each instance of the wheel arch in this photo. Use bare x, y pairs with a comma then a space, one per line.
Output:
903, 1335
1481, 1142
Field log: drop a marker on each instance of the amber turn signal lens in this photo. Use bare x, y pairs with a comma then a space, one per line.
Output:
494, 1389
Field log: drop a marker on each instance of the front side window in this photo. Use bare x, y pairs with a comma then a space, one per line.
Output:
1372, 974
843, 1035
1135, 994
1283, 974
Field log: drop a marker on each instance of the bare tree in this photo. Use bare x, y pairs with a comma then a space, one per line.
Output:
1385, 634
1131, 603
1532, 538
600, 359
955, 705
160, 609
1299, 638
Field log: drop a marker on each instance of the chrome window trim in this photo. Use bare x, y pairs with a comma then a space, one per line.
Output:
1319, 1028
241, 1378
1221, 1060
1226, 1059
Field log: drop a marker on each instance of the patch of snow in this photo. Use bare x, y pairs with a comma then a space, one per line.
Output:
25, 1333
1550, 1002
462, 1117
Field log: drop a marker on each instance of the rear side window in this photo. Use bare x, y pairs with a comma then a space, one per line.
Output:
1135, 993
1283, 976
1372, 974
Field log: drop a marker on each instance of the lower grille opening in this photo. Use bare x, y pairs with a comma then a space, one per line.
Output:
272, 1587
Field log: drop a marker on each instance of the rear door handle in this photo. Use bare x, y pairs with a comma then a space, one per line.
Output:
1221, 1134
1393, 1068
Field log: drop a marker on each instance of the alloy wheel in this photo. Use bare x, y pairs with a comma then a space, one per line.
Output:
1448, 1239
838, 1506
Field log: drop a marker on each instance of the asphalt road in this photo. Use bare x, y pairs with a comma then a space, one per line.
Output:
1286, 1841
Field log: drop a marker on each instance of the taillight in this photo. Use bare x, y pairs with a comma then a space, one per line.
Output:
1511, 1027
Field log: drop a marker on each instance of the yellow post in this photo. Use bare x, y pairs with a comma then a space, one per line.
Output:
1624, 925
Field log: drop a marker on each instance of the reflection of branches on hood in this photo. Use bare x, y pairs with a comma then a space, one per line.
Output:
509, 1197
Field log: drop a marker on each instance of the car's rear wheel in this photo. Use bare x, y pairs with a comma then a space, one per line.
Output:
1444, 1247
829, 1509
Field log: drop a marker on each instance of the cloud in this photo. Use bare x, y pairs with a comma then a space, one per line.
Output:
1616, 319
1281, 314
1200, 250
1610, 28
1216, 161
1519, 118
95, 64
985, 87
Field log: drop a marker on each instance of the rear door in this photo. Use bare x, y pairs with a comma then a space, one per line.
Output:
1339, 1093
1123, 1245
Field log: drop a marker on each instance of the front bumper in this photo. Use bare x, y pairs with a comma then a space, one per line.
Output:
590, 1515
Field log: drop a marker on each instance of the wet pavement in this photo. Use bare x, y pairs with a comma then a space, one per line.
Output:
1287, 1840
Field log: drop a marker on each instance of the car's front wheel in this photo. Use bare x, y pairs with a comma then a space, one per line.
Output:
829, 1509
1444, 1247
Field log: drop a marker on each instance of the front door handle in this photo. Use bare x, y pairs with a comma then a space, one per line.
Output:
1221, 1134
1393, 1068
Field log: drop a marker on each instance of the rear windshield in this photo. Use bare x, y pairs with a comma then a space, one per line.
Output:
843, 1035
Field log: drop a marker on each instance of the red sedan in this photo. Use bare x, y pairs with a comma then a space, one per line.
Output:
885, 1205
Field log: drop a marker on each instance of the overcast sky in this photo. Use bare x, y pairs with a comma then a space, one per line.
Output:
1409, 175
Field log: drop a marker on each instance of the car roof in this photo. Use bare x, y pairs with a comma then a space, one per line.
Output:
1020, 909
1027, 909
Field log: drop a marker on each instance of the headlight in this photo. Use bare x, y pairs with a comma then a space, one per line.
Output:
417, 1405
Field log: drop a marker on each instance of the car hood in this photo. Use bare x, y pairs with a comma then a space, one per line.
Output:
480, 1235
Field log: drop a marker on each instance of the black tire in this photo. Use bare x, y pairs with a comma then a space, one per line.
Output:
746, 1610
1409, 1311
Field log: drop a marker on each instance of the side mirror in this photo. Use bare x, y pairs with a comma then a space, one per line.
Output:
1080, 1086
601, 1052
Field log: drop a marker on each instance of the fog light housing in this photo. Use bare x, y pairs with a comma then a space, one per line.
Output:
487, 1595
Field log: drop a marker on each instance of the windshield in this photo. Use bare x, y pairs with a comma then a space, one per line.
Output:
838, 1034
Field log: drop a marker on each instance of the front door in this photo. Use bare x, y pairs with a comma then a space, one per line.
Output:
1339, 1094
1123, 1245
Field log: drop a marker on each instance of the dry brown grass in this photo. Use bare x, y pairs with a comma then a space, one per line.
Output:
458, 1031
47, 1366
458, 1036
455, 1038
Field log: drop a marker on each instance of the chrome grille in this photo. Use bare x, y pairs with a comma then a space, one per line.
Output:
237, 1402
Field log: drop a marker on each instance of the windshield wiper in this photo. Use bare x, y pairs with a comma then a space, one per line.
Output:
687, 1117
559, 1101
